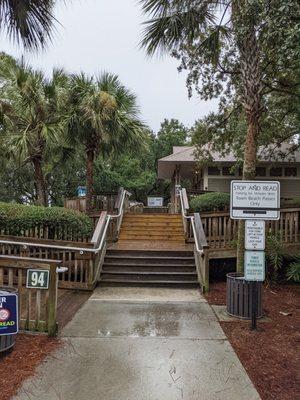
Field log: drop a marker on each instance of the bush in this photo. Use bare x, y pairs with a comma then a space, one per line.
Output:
44, 222
294, 202
293, 272
210, 202
274, 257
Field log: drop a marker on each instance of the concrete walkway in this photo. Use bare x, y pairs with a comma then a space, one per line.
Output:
142, 344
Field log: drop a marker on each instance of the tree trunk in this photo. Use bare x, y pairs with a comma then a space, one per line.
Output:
251, 92
41, 198
90, 155
248, 174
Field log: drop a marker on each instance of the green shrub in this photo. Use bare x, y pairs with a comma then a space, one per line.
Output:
274, 256
210, 202
293, 271
294, 202
44, 222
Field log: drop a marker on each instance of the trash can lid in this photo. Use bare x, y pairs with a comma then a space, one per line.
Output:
7, 290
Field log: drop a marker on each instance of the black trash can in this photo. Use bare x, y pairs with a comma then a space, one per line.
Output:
7, 341
239, 297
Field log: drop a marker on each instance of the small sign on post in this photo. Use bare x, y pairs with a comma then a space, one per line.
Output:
254, 266
37, 279
255, 202
254, 234
8, 314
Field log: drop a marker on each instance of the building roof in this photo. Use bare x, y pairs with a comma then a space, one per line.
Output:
184, 156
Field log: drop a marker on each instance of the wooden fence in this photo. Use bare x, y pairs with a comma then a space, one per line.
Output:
100, 202
80, 274
83, 266
221, 231
37, 307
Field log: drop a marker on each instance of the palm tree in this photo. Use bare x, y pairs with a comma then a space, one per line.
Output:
103, 117
208, 26
29, 115
30, 22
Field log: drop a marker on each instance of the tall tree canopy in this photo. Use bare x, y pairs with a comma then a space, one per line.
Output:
103, 116
30, 116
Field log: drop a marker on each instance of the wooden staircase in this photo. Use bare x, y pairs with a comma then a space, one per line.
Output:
151, 250
149, 227
167, 267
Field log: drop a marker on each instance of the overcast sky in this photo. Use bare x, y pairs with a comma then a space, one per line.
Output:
98, 35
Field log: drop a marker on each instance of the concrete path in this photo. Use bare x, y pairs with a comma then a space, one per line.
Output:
142, 344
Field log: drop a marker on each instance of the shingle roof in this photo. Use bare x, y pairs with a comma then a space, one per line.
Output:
184, 156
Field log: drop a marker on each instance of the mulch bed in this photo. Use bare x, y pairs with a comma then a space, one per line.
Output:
30, 350
21, 363
269, 355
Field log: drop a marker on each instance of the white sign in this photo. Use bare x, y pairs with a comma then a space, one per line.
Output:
155, 201
254, 266
254, 234
255, 200
177, 190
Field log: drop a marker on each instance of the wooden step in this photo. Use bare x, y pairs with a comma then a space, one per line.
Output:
162, 278
121, 260
151, 233
146, 268
150, 253
131, 272
140, 226
169, 238
155, 267
149, 217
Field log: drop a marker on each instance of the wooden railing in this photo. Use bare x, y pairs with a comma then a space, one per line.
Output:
216, 230
193, 229
83, 260
37, 307
100, 202
80, 274
221, 230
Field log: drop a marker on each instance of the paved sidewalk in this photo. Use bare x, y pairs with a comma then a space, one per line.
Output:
126, 348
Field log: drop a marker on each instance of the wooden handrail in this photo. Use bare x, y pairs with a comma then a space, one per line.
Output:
118, 202
201, 237
185, 200
99, 229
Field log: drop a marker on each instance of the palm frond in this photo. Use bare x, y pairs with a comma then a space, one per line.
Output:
28, 21
173, 21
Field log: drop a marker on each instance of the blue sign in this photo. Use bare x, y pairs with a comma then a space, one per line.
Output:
81, 191
8, 313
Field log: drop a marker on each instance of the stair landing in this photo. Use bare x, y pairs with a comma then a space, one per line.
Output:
152, 227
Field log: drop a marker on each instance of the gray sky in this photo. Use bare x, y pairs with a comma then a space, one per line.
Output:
99, 35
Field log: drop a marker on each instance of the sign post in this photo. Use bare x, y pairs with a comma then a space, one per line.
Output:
255, 202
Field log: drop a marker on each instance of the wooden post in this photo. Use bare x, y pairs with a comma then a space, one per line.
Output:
52, 301
205, 268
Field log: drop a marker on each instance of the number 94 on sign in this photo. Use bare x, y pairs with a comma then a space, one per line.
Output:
37, 279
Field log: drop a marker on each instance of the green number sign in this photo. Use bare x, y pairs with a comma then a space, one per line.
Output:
37, 279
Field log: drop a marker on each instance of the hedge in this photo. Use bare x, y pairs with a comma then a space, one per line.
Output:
43, 222
213, 201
